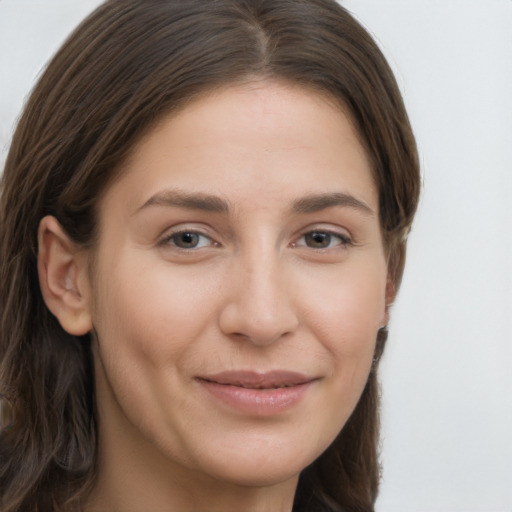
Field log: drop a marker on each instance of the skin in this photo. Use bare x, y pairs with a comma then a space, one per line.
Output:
250, 288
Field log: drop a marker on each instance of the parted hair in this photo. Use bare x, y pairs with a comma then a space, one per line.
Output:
130, 63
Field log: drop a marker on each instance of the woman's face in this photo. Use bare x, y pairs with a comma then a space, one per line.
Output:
239, 284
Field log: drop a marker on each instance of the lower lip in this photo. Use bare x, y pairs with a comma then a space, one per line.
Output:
258, 402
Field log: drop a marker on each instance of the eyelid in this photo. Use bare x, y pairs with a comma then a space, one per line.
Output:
166, 239
343, 241
343, 234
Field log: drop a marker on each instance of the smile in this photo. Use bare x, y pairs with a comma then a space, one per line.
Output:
258, 394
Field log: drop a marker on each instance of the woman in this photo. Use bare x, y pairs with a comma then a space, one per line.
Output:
204, 212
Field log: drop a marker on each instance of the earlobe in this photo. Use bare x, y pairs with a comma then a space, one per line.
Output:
63, 278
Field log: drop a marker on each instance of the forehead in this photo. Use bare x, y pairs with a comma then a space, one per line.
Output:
265, 105
253, 131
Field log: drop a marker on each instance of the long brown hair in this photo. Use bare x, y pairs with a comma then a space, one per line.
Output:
128, 64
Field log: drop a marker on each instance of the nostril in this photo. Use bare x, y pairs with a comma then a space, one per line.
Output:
258, 329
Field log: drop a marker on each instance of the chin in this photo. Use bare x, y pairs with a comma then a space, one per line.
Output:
261, 466
251, 475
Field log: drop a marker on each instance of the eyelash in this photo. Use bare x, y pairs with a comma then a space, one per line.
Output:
344, 240
170, 239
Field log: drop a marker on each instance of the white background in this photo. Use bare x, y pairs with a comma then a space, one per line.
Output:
447, 379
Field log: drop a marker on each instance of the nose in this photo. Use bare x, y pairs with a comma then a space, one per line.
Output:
259, 305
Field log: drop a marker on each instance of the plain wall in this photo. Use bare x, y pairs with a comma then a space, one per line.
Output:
446, 374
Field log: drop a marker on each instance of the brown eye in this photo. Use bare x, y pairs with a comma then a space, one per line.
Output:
323, 240
318, 240
187, 240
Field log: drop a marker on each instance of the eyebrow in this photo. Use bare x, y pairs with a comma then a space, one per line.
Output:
191, 201
210, 203
318, 202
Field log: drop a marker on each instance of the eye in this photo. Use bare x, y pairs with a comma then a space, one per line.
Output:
187, 240
323, 240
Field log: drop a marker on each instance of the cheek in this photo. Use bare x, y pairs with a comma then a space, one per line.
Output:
345, 319
343, 316
348, 311
147, 324
150, 311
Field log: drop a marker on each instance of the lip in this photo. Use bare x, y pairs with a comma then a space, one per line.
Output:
255, 393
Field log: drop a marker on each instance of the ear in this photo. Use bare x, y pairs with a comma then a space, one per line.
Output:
63, 278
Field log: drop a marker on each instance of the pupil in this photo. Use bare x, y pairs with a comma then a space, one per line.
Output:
188, 240
318, 239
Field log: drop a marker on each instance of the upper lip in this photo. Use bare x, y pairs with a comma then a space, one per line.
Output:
258, 380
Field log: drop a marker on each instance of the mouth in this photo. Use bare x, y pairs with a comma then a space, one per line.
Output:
276, 379
257, 394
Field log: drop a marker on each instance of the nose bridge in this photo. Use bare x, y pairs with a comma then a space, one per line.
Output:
263, 282
260, 305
